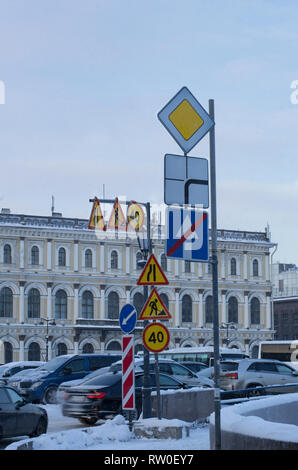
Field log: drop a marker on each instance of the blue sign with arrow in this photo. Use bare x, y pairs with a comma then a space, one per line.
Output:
128, 318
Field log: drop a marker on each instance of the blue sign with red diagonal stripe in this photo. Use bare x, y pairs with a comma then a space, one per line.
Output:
187, 234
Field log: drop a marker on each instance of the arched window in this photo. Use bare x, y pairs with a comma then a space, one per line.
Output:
233, 310
255, 268
88, 258
138, 302
61, 305
8, 352
233, 267
34, 255
186, 309
255, 310
114, 260
34, 303
61, 257
114, 346
163, 262
88, 348
7, 254
87, 305
61, 349
6, 302
139, 257
165, 300
34, 352
113, 305
209, 309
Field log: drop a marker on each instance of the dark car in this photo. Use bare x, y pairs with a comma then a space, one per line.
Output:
102, 396
18, 417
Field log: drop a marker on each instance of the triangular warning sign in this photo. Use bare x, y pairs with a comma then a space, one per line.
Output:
96, 220
117, 220
152, 274
154, 308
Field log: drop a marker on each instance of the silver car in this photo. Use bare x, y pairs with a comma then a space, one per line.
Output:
253, 373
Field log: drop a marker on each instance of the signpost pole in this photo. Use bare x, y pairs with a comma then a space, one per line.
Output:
214, 262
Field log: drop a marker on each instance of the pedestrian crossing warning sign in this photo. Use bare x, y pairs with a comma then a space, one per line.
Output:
154, 308
152, 274
117, 220
96, 221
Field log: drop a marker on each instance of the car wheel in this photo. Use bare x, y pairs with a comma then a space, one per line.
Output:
90, 421
41, 428
255, 393
50, 396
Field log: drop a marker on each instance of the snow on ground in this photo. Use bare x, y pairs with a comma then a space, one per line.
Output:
112, 435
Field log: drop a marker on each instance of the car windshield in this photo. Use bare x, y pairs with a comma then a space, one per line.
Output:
21, 374
52, 365
3, 369
105, 379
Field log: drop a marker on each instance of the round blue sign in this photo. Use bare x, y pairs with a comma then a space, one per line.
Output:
128, 318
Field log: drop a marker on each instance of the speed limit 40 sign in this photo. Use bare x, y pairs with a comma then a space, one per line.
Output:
156, 337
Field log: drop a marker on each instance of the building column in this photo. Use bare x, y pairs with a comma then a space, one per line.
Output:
127, 294
267, 267
102, 258
245, 271
22, 302
223, 264
246, 310
22, 252
22, 348
49, 300
76, 256
224, 306
76, 301
268, 310
201, 310
76, 344
177, 310
49, 255
102, 302
127, 257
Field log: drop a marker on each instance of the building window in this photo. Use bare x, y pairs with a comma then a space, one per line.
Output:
163, 262
233, 310
255, 311
6, 302
87, 305
113, 306
34, 303
8, 352
114, 346
61, 257
88, 258
186, 309
209, 309
233, 267
114, 260
88, 348
61, 349
187, 266
34, 352
7, 254
34, 255
61, 304
255, 268
165, 300
138, 302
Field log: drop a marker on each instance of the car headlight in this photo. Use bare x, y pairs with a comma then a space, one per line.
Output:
36, 385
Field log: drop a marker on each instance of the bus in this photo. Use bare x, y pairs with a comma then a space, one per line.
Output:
201, 354
285, 351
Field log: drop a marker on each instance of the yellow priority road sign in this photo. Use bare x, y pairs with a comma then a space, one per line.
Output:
152, 274
154, 308
156, 337
135, 216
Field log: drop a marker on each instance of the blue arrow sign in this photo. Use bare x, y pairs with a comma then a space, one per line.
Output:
128, 318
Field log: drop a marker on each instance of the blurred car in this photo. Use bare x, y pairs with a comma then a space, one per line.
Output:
102, 396
62, 389
11, 368
254, 373
18, 417
194, 366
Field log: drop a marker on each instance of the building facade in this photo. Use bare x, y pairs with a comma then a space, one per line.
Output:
62, 288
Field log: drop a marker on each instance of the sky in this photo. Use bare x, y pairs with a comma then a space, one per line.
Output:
84, 82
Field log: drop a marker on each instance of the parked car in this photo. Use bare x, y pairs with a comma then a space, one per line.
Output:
62, 389
194, 366
15, 380
18, 417
253, 373
42, 385
11, 368
101, 396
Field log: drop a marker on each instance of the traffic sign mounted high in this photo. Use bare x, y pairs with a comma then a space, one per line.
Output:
152, 274
154, 308
187, 234
96, 220
185, 119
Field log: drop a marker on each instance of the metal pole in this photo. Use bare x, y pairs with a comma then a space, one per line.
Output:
214, 281
157, 387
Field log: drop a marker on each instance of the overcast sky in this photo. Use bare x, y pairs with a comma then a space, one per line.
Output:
84, 81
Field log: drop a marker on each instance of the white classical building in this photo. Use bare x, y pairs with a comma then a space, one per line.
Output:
62, 288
